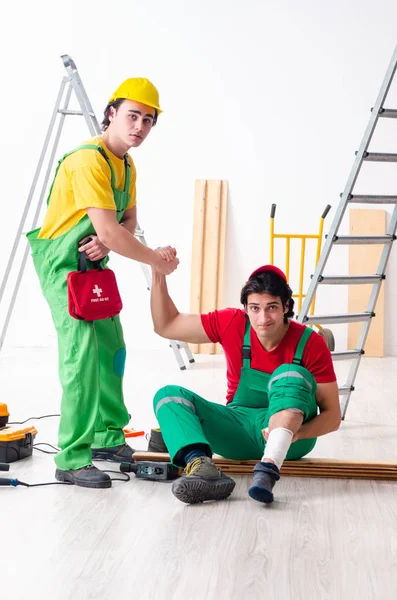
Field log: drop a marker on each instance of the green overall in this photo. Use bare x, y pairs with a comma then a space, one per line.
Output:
91, 353
235, 431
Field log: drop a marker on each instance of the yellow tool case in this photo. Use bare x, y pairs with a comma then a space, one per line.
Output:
4, 414
16, 442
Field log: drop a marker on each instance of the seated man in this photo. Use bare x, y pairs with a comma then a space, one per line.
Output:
281, 389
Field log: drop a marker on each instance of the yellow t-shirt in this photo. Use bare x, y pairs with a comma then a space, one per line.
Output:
83, 181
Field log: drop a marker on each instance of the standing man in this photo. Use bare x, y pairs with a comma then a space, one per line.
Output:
92, 208
281, 389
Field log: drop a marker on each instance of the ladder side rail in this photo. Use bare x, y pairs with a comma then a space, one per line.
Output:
14, 295
349, 185
74, 75
175, 347
89, 117
51, 159
373, 297
32, 190
371, 307
36, 215
345, 403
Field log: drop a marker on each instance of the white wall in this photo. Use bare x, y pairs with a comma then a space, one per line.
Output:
274, 97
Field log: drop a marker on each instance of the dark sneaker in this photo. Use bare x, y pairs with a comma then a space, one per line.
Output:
265, 476
89, 477
202, 481
121, 453
156, 442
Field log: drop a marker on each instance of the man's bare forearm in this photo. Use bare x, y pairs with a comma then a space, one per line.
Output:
119, 239
163, 309
324, 423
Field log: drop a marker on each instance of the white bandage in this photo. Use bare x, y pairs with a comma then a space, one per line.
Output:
277, 445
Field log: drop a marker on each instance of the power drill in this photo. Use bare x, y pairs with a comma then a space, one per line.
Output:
153, 471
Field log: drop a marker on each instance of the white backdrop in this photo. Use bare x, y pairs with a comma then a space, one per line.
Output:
274, 97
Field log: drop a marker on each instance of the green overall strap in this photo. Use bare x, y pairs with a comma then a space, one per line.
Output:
297, 360
247, 345
127, 173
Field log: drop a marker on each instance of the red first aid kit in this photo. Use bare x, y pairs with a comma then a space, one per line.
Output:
93, 294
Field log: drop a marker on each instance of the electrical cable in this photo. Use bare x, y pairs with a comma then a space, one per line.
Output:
31, 419
16, 482
45, 451
128, 478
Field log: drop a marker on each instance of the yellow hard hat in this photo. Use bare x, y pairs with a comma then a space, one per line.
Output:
139, 89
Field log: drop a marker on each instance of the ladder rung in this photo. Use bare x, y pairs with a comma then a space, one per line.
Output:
379, 157
388, 113
139, 232
359, 199
344, 390
347, 318
350, 279
358, 240
64, 111
347, 355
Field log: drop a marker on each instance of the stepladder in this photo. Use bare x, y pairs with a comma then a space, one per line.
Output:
375, 280
71, 84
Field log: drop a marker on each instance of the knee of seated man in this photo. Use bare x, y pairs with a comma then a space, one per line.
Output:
291, 418
294, 403
291, 386
168, 391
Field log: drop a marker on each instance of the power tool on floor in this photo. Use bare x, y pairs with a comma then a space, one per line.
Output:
6, 480
16, 442
151, 470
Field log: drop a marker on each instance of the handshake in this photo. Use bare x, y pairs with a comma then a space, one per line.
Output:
167, 261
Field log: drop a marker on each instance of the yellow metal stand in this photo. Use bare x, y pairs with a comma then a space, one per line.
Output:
326, 333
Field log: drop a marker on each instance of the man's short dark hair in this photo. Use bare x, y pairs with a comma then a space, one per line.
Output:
272, 284
116, 104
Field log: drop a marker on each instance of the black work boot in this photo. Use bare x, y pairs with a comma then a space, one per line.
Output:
265, 476
122, 453
201, 481
156, 442
89, 477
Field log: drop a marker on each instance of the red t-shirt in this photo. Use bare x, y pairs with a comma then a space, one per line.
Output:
228, 326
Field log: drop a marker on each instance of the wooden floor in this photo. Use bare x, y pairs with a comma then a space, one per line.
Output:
321, 539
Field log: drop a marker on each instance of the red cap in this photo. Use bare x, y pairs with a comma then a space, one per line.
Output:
269, 269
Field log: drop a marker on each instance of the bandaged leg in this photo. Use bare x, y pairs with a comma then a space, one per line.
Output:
283, 425
277, 446
267, 472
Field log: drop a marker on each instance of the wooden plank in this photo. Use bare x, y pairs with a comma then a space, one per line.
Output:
304, 467
211, 254
221, 251
364, 260
200, 190
208, 252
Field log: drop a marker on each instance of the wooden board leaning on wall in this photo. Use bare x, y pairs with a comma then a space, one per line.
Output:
365, 260
208, 251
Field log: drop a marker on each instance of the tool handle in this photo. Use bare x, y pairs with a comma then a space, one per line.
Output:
7, 481
326, 211
126, 467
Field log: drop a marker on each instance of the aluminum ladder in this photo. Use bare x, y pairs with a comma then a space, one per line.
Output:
70, 83
348, 197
